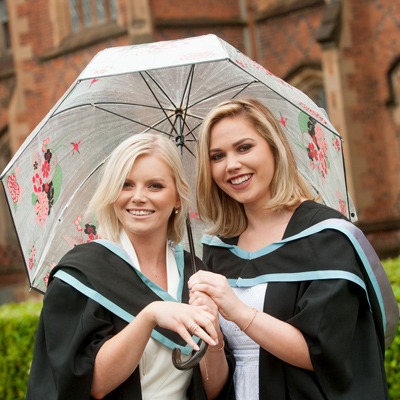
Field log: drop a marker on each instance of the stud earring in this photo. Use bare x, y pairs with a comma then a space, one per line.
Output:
177, 209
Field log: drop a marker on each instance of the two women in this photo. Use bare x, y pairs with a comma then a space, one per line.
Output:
113, 311
294, 302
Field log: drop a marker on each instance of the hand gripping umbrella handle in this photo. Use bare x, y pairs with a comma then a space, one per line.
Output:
198, 355
192, 361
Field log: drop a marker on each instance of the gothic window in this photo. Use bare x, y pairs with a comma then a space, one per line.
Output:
309, 80
5, 43
89, 13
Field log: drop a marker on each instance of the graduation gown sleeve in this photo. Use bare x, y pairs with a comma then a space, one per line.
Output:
71, 330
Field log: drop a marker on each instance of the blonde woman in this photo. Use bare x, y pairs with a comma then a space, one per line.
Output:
294, 302
113, 310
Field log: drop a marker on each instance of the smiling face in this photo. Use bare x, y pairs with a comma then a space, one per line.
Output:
147, 199
241, 161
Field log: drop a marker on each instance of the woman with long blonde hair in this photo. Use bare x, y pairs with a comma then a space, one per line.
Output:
293, 295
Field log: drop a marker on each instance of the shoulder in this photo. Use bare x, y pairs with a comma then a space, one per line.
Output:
310, 213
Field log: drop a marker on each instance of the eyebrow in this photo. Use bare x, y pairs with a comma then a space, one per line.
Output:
237, 143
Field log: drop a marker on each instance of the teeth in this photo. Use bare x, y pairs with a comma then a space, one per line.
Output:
240, 180
140, 213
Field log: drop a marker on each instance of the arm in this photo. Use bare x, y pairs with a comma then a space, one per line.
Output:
277, 337
119, 356
214, 366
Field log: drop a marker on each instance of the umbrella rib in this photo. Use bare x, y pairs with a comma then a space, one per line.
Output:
247, 84
188, 82
156, 98
132, 120
107, 103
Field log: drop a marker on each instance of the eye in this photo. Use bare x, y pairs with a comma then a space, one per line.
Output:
156, 186
217, 157
127, 184
244, 148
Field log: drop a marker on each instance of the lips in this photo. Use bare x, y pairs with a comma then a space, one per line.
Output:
140, 213
239, 180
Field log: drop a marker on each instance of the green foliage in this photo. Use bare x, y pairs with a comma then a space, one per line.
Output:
18, 324
392, 356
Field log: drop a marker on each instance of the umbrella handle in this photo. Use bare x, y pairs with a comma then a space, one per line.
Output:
176, 353
192, 361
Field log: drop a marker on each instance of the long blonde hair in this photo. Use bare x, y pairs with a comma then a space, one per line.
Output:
118, 167
288, 187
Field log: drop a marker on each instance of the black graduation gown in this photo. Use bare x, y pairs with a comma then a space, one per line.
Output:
346, 345
73, 326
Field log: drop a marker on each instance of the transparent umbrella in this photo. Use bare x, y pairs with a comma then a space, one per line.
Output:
166, 87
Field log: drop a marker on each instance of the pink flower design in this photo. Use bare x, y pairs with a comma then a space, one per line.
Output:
37, 183
33, 251
42, 208
322, 162
13, 187
336, 143
31, 265
342, 206
45, 143
320, 136
78, 225
45, 169
193, 214
46, 279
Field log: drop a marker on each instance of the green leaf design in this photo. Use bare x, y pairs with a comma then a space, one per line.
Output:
57, 181
34, 198
303, 121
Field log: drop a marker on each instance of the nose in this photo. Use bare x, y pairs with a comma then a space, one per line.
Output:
138, 196
232, 163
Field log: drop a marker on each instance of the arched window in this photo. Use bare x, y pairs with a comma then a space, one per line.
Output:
309, 80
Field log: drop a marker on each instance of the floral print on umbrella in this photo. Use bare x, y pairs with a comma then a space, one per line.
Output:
46, 181
87, 232
14, 188
316, 145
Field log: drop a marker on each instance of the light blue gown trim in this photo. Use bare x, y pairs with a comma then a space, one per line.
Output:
159, 291
120, 312
339, 225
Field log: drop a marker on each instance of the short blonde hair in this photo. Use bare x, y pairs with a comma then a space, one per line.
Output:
288, 187
118, 167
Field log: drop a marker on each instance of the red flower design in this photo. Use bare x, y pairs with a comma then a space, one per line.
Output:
37, 183
313, 153
92, 237
45, 169
31, 263
13, 187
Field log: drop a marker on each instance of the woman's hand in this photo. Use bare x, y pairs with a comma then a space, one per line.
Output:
186, 320
217, 288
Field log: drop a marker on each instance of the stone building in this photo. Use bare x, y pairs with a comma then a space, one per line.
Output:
345, 54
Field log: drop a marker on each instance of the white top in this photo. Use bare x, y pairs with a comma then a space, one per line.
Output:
159, 378
245, 350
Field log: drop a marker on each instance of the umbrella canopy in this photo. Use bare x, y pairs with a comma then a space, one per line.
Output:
166, 87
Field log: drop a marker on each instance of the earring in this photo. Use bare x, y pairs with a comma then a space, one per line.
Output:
177, 209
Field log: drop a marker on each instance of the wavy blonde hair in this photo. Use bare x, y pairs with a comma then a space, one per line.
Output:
118, 167
288, 187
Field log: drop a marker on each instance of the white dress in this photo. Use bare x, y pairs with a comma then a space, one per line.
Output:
159, 378
245, 350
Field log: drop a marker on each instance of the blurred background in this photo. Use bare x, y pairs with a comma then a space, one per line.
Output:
344, 54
